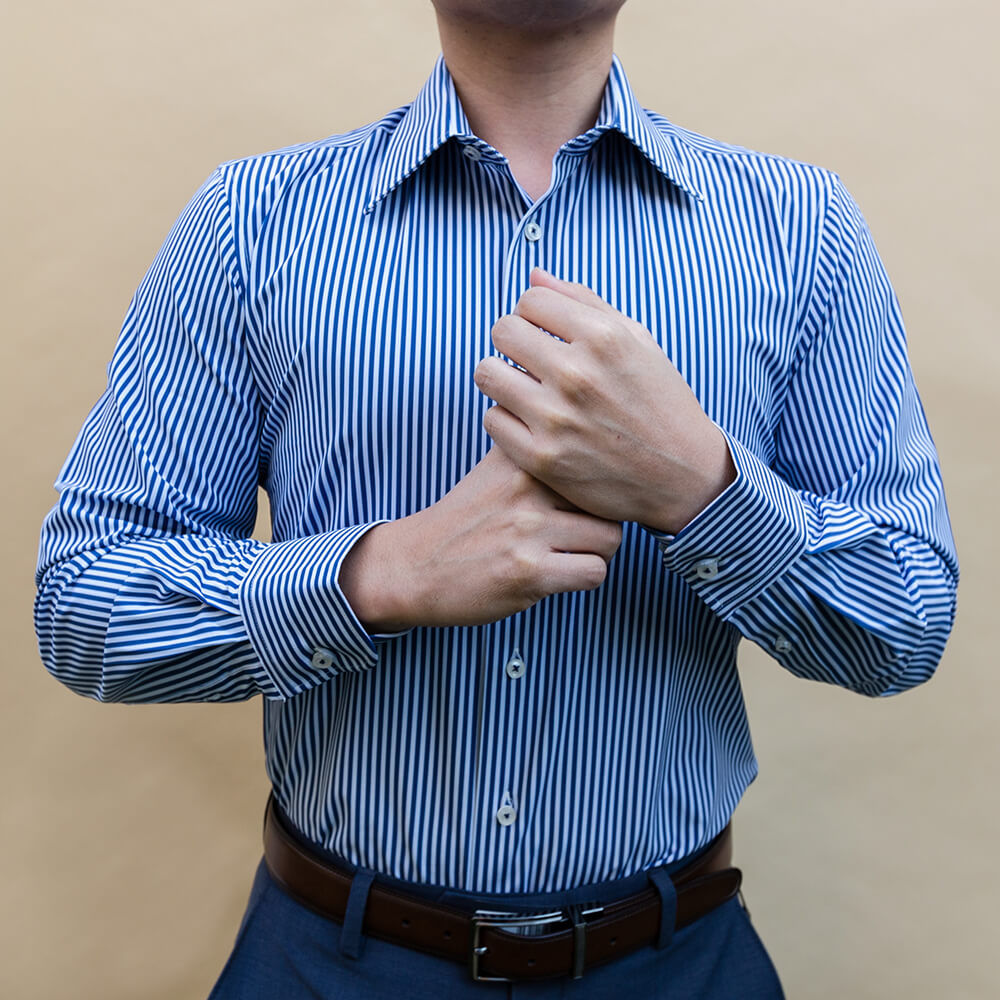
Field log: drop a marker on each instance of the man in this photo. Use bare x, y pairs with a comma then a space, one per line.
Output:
499, 668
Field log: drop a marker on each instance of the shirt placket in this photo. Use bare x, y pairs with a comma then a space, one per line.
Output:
510, 667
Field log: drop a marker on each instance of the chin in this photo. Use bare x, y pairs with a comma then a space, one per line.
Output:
527, 13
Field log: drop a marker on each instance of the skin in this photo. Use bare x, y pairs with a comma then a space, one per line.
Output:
530, 73
600, 414
598, 427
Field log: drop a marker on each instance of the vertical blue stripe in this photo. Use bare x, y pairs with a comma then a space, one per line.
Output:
311, 325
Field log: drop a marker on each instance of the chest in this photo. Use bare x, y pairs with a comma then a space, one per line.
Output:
370, 325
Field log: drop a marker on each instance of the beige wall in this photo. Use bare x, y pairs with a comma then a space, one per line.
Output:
129, 835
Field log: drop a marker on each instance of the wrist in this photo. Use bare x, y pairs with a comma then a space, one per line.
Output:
710, 474
373, 580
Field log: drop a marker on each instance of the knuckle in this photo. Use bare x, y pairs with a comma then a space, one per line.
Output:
521, 483
608, 327
576, 380
525, 522
501, 328
522, 569
604, 335
553, 419
546, 460
532, 297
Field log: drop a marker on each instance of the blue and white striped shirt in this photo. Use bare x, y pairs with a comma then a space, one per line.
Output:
311, 325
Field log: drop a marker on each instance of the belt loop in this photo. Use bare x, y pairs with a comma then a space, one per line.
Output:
575, 911
668, 904
354, 914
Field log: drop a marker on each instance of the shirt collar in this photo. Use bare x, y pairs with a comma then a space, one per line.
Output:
657, 139
437, 116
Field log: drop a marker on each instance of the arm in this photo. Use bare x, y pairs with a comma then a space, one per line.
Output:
149, 586
837, 558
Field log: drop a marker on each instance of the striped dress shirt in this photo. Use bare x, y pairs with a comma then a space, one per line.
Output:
311, 325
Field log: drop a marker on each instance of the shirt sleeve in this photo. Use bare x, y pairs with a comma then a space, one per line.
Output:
150, 587
837, 557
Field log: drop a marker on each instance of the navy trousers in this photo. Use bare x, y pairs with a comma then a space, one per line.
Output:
284, 951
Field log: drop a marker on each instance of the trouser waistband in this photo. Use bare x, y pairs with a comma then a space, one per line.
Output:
567, 940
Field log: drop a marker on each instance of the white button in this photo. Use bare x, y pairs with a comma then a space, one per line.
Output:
472, 153
532, 232
322, 659
707, 569
506, 815
515, 666
781, 644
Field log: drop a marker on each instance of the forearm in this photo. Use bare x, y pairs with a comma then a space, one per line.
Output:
196, 618
836, 593
874, 619
113, 626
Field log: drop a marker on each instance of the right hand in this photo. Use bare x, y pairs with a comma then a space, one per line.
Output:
496, 543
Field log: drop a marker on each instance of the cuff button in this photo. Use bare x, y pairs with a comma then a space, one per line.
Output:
707, 569
322, 659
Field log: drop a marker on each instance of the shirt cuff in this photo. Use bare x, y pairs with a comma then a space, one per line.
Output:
296, 616
743, 541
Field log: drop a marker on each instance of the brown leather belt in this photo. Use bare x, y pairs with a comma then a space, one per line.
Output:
580, 938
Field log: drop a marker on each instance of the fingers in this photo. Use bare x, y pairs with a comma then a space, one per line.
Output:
552, 521
575, 314
572, 532
510, 434
568, 571
564, 317
515, 390
540, 278
565, 572
527, 345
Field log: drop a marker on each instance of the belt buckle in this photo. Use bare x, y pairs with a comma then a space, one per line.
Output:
574, 915
505, 921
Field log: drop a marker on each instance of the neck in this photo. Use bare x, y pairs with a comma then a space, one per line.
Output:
528, 92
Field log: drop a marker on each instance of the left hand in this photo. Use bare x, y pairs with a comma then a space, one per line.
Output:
600, 415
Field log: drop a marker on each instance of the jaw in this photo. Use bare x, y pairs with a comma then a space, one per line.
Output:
539, 15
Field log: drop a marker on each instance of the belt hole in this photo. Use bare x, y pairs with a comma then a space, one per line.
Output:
447, 935
531, 963
406, 922
613, 942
